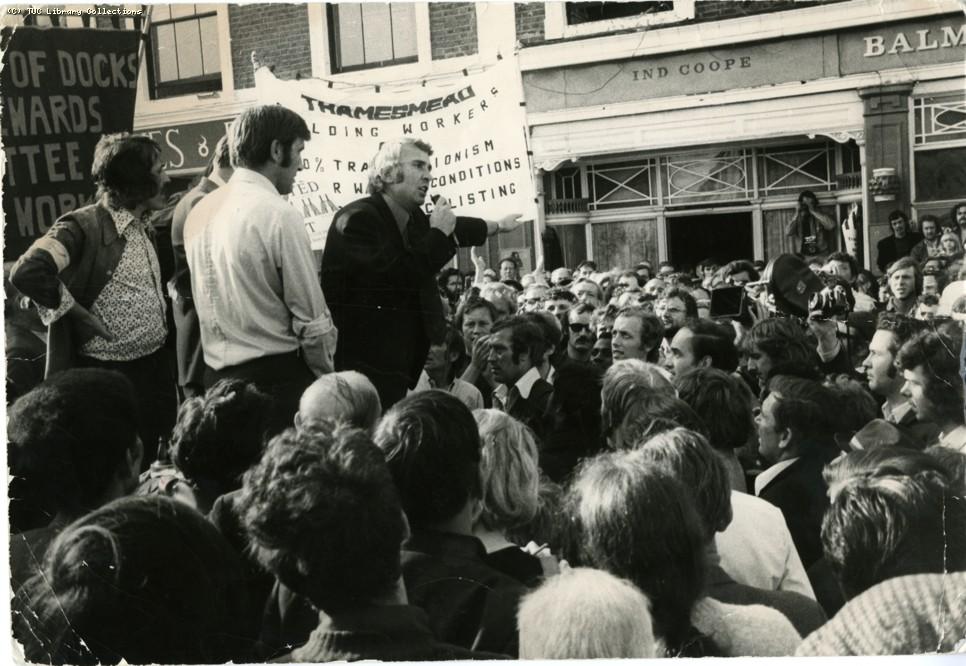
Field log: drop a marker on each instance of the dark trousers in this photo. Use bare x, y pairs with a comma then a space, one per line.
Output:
154, 390
283, 376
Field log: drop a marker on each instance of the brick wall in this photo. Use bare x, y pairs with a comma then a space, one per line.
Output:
529, 21
452, 29
280, 34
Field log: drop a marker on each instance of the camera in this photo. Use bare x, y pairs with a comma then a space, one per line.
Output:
833, 301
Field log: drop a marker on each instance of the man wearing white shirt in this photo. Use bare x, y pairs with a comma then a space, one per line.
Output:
513, 345
253, 276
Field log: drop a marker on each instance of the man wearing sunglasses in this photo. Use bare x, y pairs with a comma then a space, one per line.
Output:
580, 338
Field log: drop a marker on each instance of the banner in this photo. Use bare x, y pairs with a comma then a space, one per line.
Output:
475, 124
63, 88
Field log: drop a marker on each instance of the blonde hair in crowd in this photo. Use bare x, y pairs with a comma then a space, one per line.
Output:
585, 614
508, 469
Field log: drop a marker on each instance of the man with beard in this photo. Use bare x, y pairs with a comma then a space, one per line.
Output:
450, 282
674, 309
930, 245
580, 333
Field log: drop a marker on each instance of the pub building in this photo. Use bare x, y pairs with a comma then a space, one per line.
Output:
685, 143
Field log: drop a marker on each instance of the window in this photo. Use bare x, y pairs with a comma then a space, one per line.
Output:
577, 19
588, 12
566, 183
621, 185
185, 57
939, 152
940, 118
368, 34
796, 168
715, 175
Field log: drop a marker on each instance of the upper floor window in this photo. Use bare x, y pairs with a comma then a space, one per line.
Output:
940, 118
577, 19
364, 35
588, 12
185, 57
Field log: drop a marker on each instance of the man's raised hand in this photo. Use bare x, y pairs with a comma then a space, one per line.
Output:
443, 217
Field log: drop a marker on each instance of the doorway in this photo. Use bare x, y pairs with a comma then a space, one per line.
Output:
723, 237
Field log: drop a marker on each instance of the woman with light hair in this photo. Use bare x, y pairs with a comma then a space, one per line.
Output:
585, 614
510, 479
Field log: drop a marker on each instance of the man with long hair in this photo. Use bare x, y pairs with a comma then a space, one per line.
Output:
96, 281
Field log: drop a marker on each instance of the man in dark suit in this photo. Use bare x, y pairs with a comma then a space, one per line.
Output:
516, 348
897, 245
794, 431
191, 360
381, 257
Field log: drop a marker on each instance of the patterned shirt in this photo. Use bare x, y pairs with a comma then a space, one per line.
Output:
131, 305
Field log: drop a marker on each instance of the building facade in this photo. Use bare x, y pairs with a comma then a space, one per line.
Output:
678, 130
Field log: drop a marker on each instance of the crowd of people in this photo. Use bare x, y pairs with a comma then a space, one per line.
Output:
378, 457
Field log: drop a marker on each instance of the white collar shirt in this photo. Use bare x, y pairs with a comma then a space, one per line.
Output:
253, 275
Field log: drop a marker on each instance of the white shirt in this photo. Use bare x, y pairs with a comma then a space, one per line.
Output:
766, 477
955, 439
253, 275
756, 549
524, 386
468, 394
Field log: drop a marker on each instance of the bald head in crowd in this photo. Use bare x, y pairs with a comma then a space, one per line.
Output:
340, 396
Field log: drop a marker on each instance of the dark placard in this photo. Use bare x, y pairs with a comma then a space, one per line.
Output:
188, 146
62, 89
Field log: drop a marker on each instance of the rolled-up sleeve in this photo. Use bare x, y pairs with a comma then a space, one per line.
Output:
302, 291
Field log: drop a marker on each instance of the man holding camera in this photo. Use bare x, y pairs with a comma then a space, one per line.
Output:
806, 231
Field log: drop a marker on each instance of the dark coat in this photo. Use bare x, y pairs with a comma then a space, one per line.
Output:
891, 248
800, 492
382, 292
533, 410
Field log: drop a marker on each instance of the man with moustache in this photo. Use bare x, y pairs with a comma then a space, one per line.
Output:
580, 337
381, 256
674, 309
930, 245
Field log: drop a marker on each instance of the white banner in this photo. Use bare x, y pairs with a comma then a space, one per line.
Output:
476, 125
